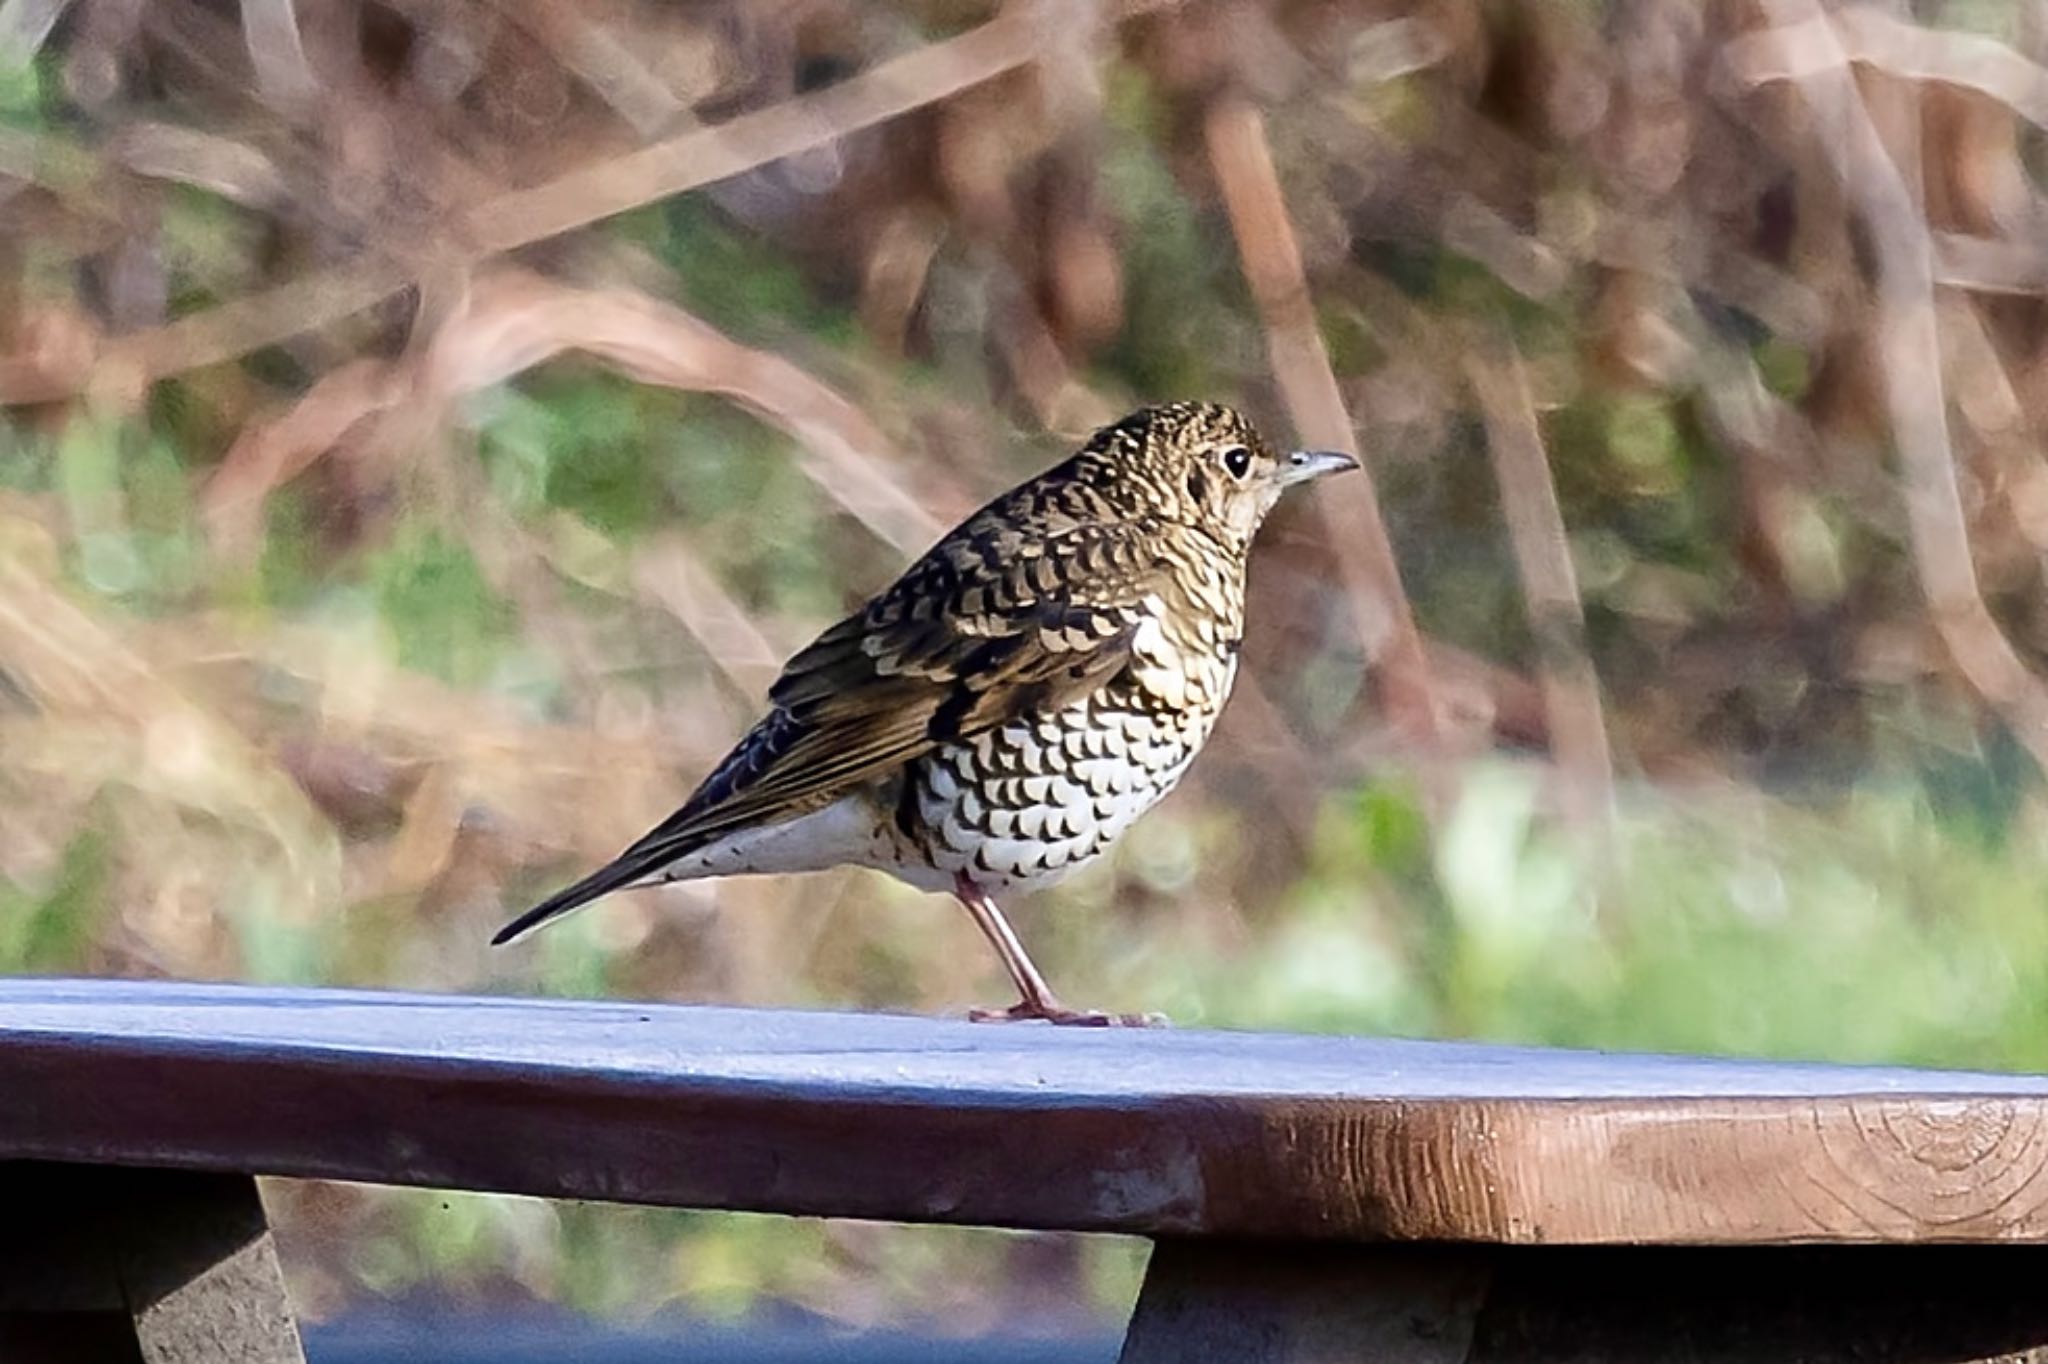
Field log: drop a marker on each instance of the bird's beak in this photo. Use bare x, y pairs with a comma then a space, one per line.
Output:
1303, 465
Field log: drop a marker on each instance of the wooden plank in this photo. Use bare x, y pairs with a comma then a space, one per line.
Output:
148, 1266
1230, 1302
200, 1271
1208, 1302
911, 1119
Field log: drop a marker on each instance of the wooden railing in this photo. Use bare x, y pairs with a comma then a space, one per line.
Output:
1312, 1198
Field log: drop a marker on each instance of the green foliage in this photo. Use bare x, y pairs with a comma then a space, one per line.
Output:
1185, 312
733, 278
287, 570
1886, 930
582, 443
444, 617
211, 247
53, 929
23, 101
1786, 369
627, 461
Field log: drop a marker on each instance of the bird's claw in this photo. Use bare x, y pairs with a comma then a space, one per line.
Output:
1060, 1016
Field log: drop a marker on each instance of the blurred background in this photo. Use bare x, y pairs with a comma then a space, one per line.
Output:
429, 423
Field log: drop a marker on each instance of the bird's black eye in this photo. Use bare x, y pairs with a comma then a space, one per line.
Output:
1238, 460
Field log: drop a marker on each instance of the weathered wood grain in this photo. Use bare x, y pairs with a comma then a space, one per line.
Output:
1237, 1302
919, 1120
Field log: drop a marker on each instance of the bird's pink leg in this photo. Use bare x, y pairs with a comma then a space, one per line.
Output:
1038, 1001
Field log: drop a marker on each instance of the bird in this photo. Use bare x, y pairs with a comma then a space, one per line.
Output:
997, 717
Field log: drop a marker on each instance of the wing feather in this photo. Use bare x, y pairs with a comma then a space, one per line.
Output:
996, 621
990, 624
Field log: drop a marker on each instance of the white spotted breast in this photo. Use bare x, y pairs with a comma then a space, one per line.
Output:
1025, 804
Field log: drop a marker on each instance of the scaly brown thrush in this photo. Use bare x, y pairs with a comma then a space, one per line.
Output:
1000, 714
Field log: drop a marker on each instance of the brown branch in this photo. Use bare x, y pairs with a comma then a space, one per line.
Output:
1536, 532
270, 32
506, 222
671, 573
246, 324
268, 454
1909, 353
1528, 266
513, 321
583, 44
1243, 165
1989, 401
235, 171
1987, 265
520, 320
704, 155
53, 351
1805, 49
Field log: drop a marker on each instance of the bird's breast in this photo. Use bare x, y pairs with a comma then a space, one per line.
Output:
1184, 660
1024, 804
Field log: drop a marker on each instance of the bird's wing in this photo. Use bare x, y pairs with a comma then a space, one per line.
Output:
994, 622
991, 624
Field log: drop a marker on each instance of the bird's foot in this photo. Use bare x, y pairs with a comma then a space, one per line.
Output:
1059, 1015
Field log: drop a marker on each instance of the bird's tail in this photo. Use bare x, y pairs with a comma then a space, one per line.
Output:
634, 865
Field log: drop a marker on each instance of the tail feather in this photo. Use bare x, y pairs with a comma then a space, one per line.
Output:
634, 865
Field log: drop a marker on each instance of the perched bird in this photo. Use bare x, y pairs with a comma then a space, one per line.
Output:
997, 717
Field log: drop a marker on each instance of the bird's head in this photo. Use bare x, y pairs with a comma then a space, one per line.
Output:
1205, 465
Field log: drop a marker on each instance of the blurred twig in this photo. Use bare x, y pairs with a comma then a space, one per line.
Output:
579, 198
672, 573
24, 27
1998, 417
223, 333
1990, 266
1536, 531
1909, 350
512, 321
270, 31
140, 729
604, 63
165, 151
1806, 46
1243, 165
267, 454
532, 320
1524, 264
